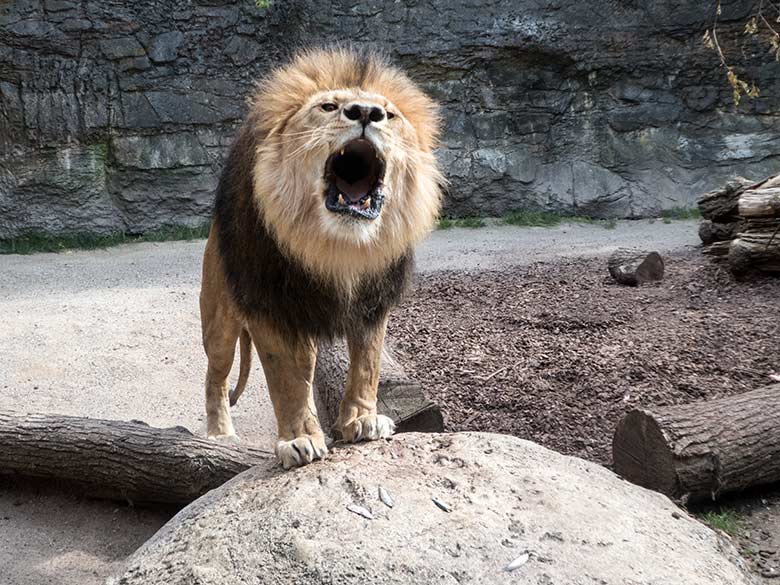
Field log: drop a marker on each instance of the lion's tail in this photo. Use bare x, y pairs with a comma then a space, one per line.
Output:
245, 364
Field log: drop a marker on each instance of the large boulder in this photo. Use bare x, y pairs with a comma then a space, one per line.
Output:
578, 523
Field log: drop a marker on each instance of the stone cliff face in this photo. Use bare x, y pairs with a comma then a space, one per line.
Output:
117, 115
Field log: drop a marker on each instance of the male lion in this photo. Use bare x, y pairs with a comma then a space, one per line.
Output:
329, 185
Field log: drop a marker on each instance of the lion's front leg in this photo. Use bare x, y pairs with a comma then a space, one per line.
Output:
358, 418
289, 372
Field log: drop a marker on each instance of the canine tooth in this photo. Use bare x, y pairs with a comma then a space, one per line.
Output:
341, 152
366, 203
341, 199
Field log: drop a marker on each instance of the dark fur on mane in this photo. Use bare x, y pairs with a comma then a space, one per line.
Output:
266, 283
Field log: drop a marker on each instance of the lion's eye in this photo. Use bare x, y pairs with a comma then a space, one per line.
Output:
329, 107
390, 115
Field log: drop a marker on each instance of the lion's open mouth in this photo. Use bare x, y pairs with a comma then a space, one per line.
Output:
354, 180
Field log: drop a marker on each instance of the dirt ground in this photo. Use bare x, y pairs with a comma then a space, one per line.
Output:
555, 352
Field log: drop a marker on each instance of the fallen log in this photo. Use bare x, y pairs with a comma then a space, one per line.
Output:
755, 250
763, 203
704, 449
721, 204
119, 459
399, 397
633, 267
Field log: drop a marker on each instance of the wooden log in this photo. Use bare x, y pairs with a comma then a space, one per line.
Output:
704, 449
399, 397
118, 459
718, 251
721, 204
755, 250
761, 203
633, 267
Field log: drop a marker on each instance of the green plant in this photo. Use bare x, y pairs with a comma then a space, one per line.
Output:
726, 520
532, 218
680, 213
471, 222
263, 4
33, 242
446, 223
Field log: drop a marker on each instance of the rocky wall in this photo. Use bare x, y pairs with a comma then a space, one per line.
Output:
116, 116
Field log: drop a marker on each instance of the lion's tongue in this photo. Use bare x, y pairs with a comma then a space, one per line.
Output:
354, 191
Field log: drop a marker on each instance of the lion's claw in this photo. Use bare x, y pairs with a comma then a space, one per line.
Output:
368, 427
300, 451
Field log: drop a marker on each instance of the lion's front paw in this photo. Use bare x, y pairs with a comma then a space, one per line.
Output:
368, 427
301, 450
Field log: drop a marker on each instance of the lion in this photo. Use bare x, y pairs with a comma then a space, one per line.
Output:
328, 187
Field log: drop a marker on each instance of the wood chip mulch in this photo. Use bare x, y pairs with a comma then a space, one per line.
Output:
557, 353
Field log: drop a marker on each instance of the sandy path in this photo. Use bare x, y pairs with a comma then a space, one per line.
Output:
116, 334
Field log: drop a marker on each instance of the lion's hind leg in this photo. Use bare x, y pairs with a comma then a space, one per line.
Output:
219, 341
220, 328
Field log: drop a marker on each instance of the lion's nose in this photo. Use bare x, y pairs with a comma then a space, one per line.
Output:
365, 113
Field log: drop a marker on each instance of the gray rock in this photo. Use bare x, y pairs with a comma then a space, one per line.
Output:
165, 47
121, 47
577, 521
160, 151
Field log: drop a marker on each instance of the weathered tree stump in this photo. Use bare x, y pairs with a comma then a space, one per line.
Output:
701, 450
633, 267
399, 397
119, 459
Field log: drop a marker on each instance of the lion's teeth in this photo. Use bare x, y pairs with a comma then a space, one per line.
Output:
366, 203
341, 199
342, 152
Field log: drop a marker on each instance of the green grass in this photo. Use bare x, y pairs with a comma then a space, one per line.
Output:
726, 520
37, 242
532, 218
524, 219
680, 213
464, 222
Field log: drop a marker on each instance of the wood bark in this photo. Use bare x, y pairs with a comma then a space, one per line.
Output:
399, 397
119, 459
764, 202
718, 251
701, 450
721, 205
633, 267
759, 250
711, 232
